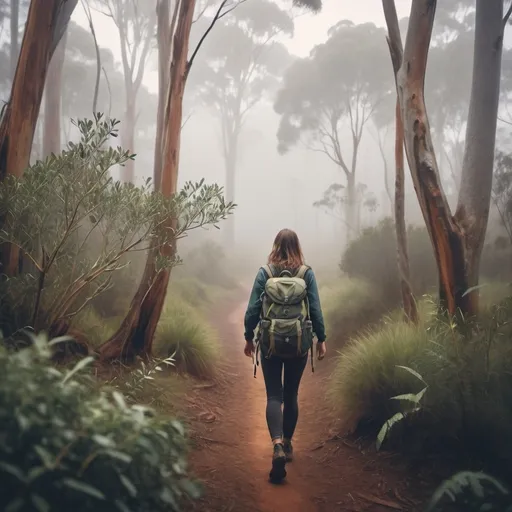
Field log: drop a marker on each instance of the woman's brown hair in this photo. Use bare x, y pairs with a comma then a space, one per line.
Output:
286, 252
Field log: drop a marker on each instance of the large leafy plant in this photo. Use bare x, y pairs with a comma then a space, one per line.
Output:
66, 447
76, 226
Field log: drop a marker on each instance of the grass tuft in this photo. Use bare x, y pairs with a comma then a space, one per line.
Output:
183, 331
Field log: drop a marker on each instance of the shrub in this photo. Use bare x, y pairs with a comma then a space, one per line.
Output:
75, 226
468, 378
65, 446
373, 257
349, 305
182, 331
96, 329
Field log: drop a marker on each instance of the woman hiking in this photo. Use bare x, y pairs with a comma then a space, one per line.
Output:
285, 306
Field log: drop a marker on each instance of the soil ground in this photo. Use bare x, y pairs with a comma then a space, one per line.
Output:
232, 448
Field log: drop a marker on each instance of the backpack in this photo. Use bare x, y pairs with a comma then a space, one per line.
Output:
285, 329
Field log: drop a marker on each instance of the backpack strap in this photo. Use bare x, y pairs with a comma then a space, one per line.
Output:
268, 271
302, 271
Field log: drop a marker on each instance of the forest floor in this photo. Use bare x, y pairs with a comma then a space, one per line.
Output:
330, 472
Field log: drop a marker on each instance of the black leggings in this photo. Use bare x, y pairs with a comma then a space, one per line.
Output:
282, 423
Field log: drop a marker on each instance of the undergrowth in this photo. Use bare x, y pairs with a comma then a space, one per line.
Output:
349, 305
66, 445
184, 333
468, 377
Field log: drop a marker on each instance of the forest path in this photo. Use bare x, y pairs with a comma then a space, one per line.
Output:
233, 451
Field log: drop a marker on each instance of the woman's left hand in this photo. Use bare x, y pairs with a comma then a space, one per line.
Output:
249, 348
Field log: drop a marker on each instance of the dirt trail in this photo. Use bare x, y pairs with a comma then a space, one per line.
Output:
232, 447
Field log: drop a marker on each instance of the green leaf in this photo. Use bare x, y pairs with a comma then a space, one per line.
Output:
12, 470
386, 428
411, 397
116, 454
412, 372
79, 366
128, 485
84, 488
122, 507
473, 289
15, 505
40, 503
119, 399
103, 441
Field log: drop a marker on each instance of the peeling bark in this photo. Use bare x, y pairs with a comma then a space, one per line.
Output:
135, 336
457, 240
396, 52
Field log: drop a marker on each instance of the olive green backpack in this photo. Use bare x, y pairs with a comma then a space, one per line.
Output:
285, 328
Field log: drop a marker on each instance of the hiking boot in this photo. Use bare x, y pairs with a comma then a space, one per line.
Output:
278, 471
288, 450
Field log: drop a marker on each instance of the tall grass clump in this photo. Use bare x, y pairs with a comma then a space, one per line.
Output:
466, 370
65, 445
184, 332
348, 306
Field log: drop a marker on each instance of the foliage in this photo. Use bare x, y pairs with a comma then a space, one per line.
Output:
133, 384
373, 257
412, 404
183, 333
75, 224
471, 492
65, 447
338, 85
468, 372
348, 306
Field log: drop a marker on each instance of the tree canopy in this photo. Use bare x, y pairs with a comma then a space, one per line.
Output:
340, 83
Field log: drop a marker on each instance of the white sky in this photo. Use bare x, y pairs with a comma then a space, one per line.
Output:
310, 29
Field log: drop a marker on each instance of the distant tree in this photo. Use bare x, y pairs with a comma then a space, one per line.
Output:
46, 24
457, 239
53, 100
240, 66
336, 88
136, 25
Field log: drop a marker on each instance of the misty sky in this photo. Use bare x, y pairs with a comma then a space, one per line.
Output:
310, 29
261, 209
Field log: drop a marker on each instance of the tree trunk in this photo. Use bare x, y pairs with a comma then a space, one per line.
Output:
164, 41
445, 234
477, 170
46, 23
351, 208
128, 138
15, 19
396, 52
53, 94
409, 302
135, 336
231, 163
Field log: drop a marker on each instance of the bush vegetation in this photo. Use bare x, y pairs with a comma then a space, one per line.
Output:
373, 257
467, 372
184, 333
348, 306
65, 446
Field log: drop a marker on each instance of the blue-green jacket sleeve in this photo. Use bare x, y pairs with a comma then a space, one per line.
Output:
252, 315
315, 309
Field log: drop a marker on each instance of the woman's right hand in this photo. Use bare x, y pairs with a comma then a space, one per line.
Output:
321, 349
249, 348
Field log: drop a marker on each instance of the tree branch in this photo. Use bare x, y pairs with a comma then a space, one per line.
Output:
216, 18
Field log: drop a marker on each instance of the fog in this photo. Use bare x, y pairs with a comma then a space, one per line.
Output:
272, 190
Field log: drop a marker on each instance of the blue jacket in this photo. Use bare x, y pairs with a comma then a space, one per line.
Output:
252, 315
